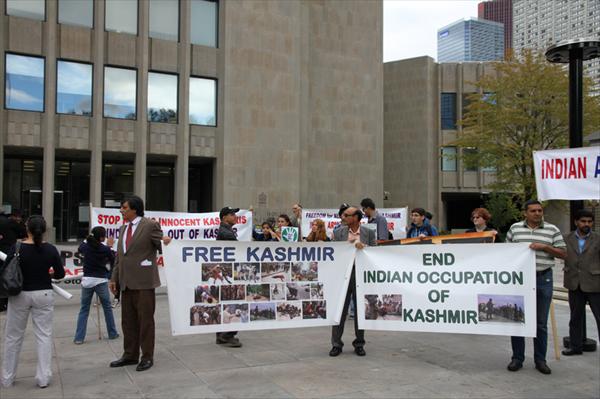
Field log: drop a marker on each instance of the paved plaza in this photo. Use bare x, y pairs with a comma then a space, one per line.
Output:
294, 363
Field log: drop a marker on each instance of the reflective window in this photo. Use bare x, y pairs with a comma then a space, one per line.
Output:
120, 89
164, 19
162, 97
73, 88
76, 12
121, 16
449, 159
203, 101
448, 110
24, 82
470, 163
160, 187
117, 182
203, 26
34, 9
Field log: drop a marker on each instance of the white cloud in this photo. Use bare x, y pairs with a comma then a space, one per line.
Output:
23, 65
162, 91
15, 95
120, 86
410, 27
74, 78
202, 98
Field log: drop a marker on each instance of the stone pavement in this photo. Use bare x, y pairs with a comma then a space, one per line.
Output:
294, 363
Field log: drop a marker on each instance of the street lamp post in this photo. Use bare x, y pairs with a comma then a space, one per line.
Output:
574, 52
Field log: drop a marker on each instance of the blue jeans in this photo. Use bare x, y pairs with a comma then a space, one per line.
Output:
86, 299
544, 288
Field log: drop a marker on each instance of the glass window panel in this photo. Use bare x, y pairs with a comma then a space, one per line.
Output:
34, 9
76, 12
164, 19
203, 27
470, 164
24, 83
74, 88
449, 159
203, 101
162, 97
448, 110
117, 182
120, 93
121, 16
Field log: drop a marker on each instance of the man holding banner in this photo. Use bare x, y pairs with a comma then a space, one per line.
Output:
547, 242
360, 237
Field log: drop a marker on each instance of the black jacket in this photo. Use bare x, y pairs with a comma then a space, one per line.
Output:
96, 259
226, 233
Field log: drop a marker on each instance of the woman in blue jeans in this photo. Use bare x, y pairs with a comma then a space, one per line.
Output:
98, 259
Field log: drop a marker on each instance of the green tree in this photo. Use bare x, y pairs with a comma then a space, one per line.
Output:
521, 108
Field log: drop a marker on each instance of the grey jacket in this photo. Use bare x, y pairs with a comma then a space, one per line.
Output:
583, 269
367, 236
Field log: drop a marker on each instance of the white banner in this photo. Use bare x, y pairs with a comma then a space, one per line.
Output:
467, 288
231, 286
568, 174
396, 220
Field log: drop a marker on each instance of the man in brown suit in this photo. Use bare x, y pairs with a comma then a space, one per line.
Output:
136, 275
582, 277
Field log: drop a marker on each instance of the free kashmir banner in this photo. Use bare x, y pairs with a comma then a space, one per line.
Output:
467, 288
568, 174
231, 286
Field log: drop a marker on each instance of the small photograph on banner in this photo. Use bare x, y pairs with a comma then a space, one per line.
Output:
305, 271
206, 294
217, 273
246, 272
235, 292
316, 291
278, 292
289, 310
203, 315
235, 313
262, 311
383, 307
297, 291
314, 310
258, 292
501, 308
276, 272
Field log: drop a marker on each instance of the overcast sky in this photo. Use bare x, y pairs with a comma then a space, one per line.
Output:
410, 26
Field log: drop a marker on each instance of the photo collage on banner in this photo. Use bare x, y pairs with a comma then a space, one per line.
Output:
258, 286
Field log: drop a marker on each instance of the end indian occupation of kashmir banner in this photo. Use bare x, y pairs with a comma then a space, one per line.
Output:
467, 288
231, 286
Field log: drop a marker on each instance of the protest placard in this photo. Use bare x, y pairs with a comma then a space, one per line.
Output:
467, 288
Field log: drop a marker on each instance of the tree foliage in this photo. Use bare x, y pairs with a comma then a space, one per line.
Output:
521, 108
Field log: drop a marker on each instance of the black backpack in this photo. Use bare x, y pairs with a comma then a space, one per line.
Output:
11, 277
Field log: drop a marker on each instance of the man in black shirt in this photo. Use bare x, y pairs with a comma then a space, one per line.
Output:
226, 233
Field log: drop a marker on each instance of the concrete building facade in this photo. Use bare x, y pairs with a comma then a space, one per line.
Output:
538, 24
470, 39
295, 113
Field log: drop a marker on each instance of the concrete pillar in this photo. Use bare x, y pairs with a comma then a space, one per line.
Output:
141, 125
183, 128
49, 117
97, 128
3, 35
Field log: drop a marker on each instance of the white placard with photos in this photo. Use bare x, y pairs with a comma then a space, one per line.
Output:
453, 288
236, 286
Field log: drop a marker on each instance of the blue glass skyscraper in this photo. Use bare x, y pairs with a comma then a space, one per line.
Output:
471, 39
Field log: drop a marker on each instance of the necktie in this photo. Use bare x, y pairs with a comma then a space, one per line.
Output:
128, 236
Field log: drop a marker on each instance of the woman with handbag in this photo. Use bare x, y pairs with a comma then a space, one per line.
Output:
98, 259
36, 258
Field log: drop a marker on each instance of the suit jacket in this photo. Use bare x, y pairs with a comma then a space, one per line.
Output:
367, 236
583, 269
136, 269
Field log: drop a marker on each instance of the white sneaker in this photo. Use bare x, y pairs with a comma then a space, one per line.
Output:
115, 303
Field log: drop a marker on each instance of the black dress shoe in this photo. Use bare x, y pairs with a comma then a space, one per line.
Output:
335, 351
123, 362
571, 352
360, 351
543, 368
144, 365
514, 365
